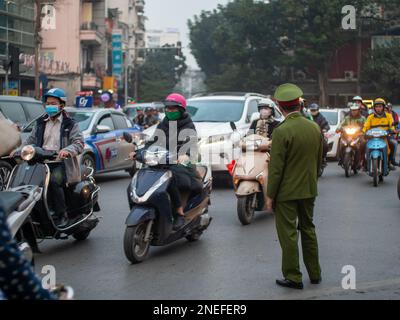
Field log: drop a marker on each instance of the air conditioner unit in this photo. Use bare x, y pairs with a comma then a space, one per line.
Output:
349, 75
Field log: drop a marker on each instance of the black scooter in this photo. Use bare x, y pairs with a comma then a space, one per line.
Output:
81, 199
150, 221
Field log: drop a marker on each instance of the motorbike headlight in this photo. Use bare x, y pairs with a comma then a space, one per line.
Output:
27, 153
351, 131
151, 159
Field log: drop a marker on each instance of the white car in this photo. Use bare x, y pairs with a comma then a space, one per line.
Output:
334, 117
221, 120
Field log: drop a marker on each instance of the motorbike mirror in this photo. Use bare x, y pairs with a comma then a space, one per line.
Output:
128, 137
233, 126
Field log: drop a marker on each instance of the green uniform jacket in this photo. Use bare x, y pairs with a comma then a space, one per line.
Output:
296, 154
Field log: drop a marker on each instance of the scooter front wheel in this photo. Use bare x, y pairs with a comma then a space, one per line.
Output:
375, 173
245, 208
135, 247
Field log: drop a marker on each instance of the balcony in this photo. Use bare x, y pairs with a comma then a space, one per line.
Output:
90, 81
90, 34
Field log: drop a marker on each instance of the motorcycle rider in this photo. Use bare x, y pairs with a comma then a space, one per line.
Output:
303, 109
56, 131
393, 138
149, 120
267, 123
180, 136
382, 120
354, 119
139, 119
323, 124
363, 108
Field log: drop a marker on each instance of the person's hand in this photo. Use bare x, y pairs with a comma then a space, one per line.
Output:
12, 153
64, 154
132, 155
270, 204
182, 159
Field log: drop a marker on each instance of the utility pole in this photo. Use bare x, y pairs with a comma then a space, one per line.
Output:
38, 41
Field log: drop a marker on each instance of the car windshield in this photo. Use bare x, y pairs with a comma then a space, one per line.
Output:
82, 118
331, 116
215, 110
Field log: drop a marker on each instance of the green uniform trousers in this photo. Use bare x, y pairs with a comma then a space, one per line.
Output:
291, 217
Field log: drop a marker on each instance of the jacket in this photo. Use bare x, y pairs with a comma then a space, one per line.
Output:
296, 155
265, 125
322, 122
350, 121
373, 121
71, 140
179, 137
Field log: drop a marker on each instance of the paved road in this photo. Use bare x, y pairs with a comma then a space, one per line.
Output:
357, 225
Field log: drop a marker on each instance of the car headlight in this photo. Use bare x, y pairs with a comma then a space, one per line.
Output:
27, 153
218, 138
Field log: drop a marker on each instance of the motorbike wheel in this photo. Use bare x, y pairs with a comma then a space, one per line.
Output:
398, 188
321, 171
346, 164
5, 171
88, 161
245, 210
136, 249
375, 174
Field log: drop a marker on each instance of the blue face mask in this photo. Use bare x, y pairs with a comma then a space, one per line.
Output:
52, 110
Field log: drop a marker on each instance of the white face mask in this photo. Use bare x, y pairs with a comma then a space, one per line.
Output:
265, 113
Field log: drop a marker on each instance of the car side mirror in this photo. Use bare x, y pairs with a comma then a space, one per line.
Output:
102, 129
233, 126
255, 116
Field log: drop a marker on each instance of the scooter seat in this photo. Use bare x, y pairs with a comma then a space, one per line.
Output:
9, 201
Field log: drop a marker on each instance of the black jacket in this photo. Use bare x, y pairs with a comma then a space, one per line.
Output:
184, 135
322, 122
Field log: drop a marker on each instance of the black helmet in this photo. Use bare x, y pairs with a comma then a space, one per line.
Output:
262, 105
314, 107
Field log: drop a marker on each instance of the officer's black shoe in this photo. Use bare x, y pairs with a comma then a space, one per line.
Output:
315, 281
290, 284
178, 223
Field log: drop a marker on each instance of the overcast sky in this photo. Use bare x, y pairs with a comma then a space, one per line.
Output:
164, 14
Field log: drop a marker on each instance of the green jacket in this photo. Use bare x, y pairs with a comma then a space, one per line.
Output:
350, 121
296, 154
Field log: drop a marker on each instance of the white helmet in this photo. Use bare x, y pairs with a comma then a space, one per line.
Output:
354, 106
357, 98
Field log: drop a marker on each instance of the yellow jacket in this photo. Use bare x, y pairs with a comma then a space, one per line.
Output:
384, 123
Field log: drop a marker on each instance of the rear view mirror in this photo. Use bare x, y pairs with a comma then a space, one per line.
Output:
128, 137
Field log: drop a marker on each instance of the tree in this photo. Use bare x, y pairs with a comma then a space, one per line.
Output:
382, 70
159, 75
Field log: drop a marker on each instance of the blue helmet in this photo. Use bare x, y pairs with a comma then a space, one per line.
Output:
56, 93
314, 107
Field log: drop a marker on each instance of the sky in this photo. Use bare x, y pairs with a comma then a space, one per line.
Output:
164, 14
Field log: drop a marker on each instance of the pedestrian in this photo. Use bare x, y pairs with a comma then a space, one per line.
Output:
296, 156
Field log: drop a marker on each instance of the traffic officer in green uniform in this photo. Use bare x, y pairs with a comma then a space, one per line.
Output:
296, 153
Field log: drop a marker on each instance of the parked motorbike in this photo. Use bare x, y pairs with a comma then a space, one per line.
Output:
249, 175
33, 174
150, 221
377, 157
351, 141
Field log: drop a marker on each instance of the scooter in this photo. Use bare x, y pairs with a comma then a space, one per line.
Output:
377, 157
150, 221
249, 175
350, 140
33, 174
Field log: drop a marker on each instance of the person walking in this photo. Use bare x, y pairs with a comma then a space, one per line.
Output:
296, 155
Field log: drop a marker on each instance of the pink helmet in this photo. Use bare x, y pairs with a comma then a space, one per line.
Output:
175, 99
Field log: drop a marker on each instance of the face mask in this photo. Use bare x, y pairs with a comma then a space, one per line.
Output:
52, 110
265, 113
173, 116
